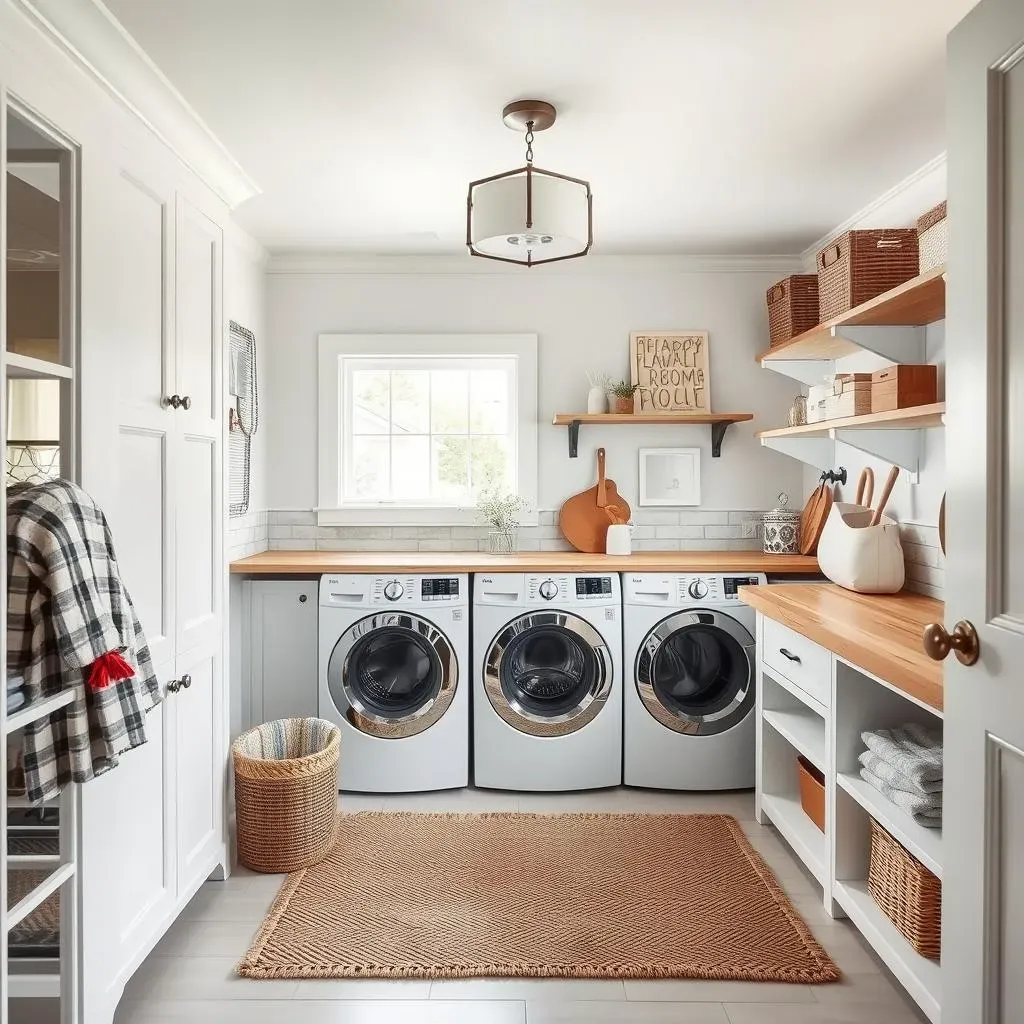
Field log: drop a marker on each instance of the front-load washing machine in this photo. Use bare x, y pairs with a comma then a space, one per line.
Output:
394, 675
547, 688
689, 704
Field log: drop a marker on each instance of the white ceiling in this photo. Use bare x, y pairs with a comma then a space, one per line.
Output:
704, 126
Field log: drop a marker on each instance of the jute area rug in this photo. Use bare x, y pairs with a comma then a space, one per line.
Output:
532, 895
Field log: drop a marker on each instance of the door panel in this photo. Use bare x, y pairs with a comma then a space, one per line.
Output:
199, 572
200, 769
141, 358
983, 798
127, 856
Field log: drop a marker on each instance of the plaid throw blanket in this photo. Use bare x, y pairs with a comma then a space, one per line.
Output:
66, 608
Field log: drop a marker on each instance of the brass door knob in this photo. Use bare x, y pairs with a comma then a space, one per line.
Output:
963, 640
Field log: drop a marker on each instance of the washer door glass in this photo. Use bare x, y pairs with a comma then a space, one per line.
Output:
695, 672
392, 675
548, 673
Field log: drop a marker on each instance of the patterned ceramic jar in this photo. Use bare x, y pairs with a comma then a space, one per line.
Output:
782, 529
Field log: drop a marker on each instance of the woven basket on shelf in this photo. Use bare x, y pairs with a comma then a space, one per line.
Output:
906, 891
792, 307
859, 265
286, 793
933, 238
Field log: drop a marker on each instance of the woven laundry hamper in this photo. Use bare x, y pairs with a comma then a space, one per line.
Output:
286, 793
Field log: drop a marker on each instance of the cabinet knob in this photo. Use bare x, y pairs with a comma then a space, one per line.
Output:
186, 681
180, 402
174, 686
302, 598
963, 640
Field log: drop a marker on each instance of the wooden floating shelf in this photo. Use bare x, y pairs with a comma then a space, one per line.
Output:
915, 303
21, 367
916, 417
719, 422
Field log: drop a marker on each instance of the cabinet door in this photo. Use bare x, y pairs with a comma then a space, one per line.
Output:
127, 863
282, 648
199, 575
200, 768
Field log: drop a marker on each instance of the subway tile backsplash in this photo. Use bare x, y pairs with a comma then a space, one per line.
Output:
291, 530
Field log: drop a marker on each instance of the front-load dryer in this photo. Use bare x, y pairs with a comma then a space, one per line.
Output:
689, 706
547, 686
394, 675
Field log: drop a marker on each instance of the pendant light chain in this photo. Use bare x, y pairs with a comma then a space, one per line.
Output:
529, 143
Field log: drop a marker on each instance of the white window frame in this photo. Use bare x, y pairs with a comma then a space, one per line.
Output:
331, 510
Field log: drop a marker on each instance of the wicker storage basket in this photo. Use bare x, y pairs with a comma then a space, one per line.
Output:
933, 238
792, 307
859, 265
286, 793
906, 891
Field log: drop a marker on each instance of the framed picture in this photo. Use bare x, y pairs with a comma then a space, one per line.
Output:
669, 476
672, 371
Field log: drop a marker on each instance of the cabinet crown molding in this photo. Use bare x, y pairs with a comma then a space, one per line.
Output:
95, 40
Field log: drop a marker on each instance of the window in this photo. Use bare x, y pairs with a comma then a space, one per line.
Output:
413, 428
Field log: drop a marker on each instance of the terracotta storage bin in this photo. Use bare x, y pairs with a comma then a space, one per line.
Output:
859, 265
792, 307
812, 791
901, 387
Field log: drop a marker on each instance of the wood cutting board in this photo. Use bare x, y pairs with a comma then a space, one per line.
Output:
812, 519
584, 519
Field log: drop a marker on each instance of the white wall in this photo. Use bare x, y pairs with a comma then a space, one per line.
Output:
583, 315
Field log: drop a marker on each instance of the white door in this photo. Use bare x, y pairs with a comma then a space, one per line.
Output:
200, 767
983, 831
128, 466
199, 577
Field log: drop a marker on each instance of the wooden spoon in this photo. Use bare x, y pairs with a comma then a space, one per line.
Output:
890, 480
866, 487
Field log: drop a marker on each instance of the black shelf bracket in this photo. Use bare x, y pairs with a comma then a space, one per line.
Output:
574, 438
717, 433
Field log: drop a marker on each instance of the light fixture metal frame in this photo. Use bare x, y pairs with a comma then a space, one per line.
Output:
529, 170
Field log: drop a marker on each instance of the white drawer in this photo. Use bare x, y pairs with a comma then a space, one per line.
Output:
799, 660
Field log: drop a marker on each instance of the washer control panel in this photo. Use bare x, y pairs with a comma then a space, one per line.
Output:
565, 589
684, 590
398, 591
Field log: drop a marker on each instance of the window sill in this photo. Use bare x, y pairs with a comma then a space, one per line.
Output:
407, 515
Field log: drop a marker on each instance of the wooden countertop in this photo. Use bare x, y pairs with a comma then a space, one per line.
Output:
878, 633
307, 563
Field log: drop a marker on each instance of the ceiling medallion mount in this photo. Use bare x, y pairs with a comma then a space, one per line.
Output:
529, 215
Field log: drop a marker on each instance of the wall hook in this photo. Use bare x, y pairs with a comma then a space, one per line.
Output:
834, 476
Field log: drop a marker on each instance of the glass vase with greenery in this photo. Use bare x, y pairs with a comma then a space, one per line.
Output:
501, 513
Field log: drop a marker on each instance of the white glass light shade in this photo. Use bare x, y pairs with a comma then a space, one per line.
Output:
559, 226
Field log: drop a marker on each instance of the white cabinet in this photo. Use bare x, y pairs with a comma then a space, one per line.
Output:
281, 648
154, 829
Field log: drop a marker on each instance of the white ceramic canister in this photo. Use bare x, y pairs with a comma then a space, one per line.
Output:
619, 540
782, 529
597, 400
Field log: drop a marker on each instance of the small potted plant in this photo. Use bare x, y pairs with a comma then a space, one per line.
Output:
623, 394
501, 513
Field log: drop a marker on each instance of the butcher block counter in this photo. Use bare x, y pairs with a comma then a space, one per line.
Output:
309, 563
880, 634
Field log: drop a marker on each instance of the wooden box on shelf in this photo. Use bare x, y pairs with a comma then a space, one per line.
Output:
792, 307
812, 791
906, 892
859, 265
901, 387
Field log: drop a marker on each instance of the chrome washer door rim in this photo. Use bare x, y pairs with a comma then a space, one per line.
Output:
357, 713
564, 723
718, 721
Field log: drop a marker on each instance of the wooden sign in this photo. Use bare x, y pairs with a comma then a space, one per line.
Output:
671, 368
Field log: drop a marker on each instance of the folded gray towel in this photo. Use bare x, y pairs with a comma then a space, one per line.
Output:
915, 751
885, 771
925, 811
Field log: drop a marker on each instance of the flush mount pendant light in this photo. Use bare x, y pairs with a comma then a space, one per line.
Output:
529, 216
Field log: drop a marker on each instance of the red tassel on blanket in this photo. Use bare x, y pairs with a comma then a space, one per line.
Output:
109, 668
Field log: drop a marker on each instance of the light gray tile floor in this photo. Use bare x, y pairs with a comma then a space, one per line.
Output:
190, 975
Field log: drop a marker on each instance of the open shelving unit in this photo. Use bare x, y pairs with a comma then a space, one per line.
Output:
22, 367
891, 326
893, 436
718, 421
